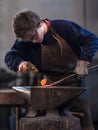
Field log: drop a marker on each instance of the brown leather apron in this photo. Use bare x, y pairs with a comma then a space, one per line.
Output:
58, 59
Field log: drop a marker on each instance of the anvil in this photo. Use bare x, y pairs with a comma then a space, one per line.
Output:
48, 98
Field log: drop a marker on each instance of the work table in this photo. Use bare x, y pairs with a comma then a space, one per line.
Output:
10, 97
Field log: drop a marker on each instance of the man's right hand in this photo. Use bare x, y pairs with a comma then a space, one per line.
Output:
26, 66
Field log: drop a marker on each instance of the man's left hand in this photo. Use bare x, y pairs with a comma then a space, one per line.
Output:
81, 68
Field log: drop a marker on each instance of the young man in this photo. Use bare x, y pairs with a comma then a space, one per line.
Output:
56, 48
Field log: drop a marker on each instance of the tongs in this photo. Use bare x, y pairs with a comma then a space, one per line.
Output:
69, 76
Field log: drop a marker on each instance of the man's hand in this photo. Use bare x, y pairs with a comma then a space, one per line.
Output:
25, 67
81, 68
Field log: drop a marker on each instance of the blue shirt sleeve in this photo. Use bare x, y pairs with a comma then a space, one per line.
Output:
82, 41
87, 41
23, 51
12, 58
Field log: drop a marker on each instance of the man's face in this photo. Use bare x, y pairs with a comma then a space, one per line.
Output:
36, 36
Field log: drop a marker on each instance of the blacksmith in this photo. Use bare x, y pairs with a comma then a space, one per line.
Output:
57, 48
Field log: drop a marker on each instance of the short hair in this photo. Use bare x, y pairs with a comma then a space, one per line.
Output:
23, 21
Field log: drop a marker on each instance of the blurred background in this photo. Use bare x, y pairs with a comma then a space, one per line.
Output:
84, 12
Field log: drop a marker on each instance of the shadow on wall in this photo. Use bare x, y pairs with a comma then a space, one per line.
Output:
92, 85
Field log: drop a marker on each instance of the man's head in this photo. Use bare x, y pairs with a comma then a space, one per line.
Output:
25, 21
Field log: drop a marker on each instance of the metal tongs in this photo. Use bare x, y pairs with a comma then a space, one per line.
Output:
69, 76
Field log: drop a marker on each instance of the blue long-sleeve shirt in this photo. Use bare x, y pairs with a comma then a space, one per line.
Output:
82, 41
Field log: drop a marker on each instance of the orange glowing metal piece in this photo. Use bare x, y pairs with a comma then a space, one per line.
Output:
43, 82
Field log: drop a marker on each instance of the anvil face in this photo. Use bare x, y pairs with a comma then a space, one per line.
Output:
51, 97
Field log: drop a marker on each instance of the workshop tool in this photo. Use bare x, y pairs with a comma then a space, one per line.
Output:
67, 77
